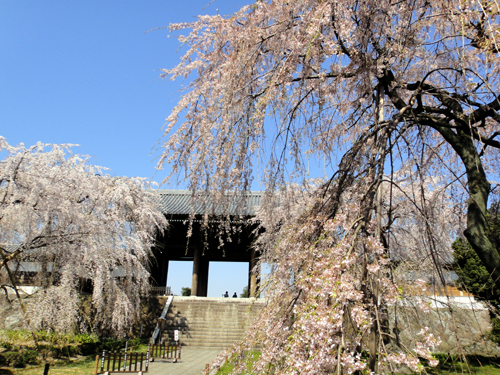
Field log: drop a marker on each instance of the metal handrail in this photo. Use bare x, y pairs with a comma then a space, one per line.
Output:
162, 316
161, 290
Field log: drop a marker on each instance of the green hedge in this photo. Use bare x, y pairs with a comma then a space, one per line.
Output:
19, 345
19, 359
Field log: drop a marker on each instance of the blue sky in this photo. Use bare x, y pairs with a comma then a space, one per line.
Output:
87, 72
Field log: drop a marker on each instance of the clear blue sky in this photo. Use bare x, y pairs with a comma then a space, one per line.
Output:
87, 72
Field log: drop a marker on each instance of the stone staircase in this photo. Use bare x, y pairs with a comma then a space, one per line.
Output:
206, 322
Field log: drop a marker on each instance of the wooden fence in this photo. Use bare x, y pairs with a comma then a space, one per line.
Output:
166, 351
122, 362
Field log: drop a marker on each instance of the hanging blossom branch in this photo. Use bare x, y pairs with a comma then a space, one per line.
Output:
76, 223
365, 86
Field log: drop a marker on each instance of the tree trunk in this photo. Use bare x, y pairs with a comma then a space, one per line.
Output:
479, 190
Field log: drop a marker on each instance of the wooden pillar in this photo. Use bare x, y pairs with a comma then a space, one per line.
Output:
164, 271
203, 277
196, 271
253, 275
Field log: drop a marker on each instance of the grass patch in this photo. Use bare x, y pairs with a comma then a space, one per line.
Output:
474, 364
226, 369
84, 366
448, 365
61, 345
249, 359
66, 353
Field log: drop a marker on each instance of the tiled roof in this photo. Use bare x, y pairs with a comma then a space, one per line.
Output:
181, 202
451, 291
10, 248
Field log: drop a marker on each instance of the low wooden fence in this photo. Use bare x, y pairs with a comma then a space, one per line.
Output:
172, 351
121, 362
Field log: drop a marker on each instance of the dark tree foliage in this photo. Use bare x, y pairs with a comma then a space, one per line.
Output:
473, 276
245, 293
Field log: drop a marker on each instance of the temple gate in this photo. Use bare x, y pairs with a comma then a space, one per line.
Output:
206, 243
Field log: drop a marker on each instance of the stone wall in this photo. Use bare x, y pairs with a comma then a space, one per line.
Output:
462, 327
11, 315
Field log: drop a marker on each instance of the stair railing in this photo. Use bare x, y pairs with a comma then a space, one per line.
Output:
161, 318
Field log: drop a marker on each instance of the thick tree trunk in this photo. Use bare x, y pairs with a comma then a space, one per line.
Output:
463, 144
479, 190
477, 223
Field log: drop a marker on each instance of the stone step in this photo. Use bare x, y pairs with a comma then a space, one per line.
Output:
221, 319
219, 309
195, 303
213, 320
208, 337
214, 308
188, 323
212, 302
215, 316
210, 322
212, 314
205, 327
204, 341
205, 338
206, 334
233, 305
204, 303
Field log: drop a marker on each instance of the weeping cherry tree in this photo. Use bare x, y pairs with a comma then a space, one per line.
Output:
75, 225
400, 103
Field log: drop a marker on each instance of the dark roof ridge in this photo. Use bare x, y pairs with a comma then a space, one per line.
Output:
179, 202
190, 192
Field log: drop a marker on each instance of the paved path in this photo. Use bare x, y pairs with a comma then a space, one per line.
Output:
193, 362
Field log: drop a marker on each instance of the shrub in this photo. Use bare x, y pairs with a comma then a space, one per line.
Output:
17, 335
134, 343
110, 344
21, 359
88, 348
85, 338
6, 345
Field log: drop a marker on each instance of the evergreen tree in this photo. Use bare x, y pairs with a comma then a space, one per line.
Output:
473, 276
245, 293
